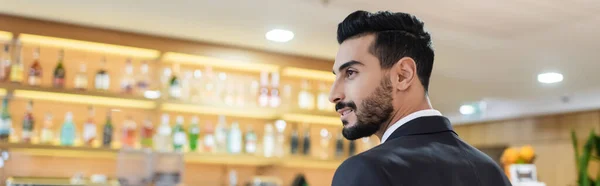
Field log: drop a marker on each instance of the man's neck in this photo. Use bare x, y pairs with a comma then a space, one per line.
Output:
399, 114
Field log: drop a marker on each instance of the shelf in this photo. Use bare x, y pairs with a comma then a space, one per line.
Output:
228, 159
172, 57
312, 119
2, 92
258, 113
80, 97
60, 151
308, 74
89, 46
305, 162
189, 157
55, 181
5, 36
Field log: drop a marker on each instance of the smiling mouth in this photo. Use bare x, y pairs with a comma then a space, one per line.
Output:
345, 111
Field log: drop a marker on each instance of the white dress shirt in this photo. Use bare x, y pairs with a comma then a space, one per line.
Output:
402, 121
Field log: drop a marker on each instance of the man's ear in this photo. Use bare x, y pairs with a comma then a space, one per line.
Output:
404, 72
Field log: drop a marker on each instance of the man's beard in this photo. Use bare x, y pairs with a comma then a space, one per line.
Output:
376, 109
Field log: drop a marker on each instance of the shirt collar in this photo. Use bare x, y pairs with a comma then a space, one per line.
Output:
402, 121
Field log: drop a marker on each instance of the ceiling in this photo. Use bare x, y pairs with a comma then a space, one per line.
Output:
488, 50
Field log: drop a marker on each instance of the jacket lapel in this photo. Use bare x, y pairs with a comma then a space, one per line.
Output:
423, 125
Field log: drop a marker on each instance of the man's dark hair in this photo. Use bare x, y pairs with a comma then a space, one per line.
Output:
397, 35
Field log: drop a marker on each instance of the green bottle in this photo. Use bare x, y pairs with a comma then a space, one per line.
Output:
194, 134
107, 133
5, 121
179, 138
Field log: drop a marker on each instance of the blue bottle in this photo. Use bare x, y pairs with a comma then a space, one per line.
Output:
67, 131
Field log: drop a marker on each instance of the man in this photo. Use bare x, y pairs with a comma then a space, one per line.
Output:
382, 73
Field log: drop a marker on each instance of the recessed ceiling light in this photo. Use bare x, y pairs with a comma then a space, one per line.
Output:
467, 109
550, 77
279, 35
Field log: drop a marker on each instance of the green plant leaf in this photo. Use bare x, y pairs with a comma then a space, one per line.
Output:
585, 159
575, 148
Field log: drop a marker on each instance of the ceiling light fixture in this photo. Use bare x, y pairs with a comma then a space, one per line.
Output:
279, 35
550, 77
467, 109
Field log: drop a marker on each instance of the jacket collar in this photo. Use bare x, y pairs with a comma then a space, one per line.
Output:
423, 125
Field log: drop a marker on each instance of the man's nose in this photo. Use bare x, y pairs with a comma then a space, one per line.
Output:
336, 95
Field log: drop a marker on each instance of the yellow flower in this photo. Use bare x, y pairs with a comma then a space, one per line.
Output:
527, 153
510, 156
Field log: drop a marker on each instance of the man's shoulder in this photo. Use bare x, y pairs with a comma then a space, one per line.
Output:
375, 157
361, 169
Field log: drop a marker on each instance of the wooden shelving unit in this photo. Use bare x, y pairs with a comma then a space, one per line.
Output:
190, 157
133, 101
238, 65
257, 113
77, 96
90, 45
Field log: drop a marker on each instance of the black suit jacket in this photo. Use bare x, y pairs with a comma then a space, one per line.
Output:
422, 152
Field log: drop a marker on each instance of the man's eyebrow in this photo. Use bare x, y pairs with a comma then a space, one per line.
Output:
348, 64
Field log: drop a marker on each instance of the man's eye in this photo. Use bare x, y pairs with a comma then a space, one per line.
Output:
350, 73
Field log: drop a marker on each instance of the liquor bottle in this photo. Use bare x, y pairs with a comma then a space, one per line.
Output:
306, 142
339, 146
89, 128
174, 88
324, 142
28, 123
294, 142
240, 97
47, 134
229, 97
263, 97
305, 97
194, 133
197, 86
269, 141
81, 79
127, 83
59, 71
165, 79
287, 94
5, 63
209, 94
234, 141
107, 133
323, 103
16, 69
209, 139
162, 138
175, 85
35, 70
280, 138
147, 133
352, 148
251, 139
5, 122
129, 128
221, 86
143, 80
67, 131
102, 79
275, 99
179, 138
186, 85
221, 135
233, 178
254, 92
